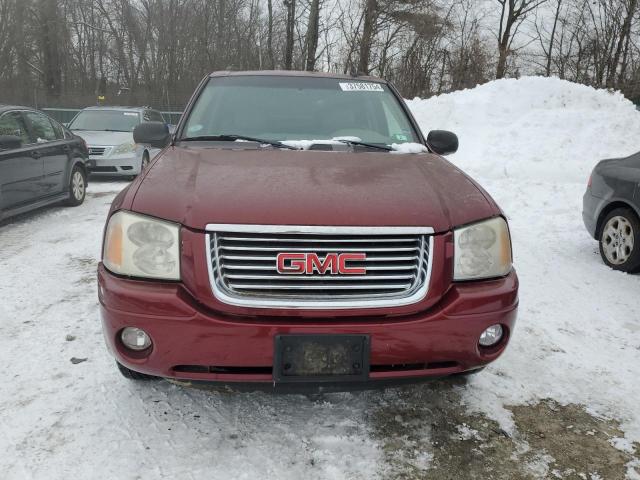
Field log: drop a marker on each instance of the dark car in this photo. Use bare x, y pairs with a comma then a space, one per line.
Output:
41, 162
611, 211
298, 228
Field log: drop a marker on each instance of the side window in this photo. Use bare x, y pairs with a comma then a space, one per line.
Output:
58, 130
12, 124
41, 127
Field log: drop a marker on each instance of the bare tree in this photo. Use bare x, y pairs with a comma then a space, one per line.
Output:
547, 44
272, 62
65, 52
49, 39
625, 31
370, 14
291, 18
311, 44
512, 14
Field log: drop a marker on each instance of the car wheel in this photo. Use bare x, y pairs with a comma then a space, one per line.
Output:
77, 187
620, 240
133, 375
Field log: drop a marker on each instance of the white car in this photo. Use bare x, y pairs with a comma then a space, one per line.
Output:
108, 132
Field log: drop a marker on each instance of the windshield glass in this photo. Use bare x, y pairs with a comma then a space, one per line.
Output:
101, 120
299, 108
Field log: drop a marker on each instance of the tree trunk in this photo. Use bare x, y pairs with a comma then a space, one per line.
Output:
49, 38
370, 13
291, 20
624, 33
312, 35
552, 40
272, 62
221, 56
503, 53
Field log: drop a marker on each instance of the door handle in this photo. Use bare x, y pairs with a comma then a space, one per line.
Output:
36, 154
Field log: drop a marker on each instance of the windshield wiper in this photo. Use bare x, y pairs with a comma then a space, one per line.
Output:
232, 138
364, 144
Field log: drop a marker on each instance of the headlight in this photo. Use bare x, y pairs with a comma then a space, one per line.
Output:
482, 250
140, 246
124, 148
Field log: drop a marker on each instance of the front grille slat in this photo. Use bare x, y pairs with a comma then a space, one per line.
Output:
319, 240
272, 268
244, 268
316, 249
273, 258
97, 151
324, 278
292, 286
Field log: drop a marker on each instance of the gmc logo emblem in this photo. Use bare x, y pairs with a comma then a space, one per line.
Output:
309, 263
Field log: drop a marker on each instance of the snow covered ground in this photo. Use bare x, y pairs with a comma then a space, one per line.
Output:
575, 354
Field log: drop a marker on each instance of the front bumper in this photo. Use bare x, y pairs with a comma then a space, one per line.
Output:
126, 164
191, 342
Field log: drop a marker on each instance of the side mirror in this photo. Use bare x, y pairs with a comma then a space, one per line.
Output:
10, 142
442, 142
155, 134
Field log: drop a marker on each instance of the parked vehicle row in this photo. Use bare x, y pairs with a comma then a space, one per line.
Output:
43, 162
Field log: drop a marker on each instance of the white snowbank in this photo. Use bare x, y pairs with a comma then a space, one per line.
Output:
534, 128
532, 144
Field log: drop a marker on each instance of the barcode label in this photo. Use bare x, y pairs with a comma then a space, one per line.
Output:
360, 87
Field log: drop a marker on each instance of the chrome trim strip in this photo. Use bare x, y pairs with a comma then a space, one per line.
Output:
333, 304
234, 248
320, 230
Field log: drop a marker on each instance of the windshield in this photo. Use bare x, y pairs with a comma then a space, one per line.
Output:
299, 108
105, 120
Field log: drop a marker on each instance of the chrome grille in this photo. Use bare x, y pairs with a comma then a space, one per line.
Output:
243, 266
97, 151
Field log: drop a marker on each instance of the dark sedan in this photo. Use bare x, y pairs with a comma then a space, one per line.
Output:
41, 162
611, 211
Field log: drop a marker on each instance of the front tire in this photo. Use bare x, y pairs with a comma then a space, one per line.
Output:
620, 240
133, 375
77, 187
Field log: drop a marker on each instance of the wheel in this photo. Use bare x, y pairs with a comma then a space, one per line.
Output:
620, 240
77, 187
133, 375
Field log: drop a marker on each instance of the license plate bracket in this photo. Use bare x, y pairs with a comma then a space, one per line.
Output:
321, 358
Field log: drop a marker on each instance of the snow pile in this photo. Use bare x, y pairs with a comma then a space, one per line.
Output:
532, 143
533, 128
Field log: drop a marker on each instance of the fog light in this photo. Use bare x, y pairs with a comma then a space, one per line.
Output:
491, 336
135, 338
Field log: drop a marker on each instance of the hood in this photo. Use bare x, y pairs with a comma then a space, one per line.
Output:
196, 186
104, 139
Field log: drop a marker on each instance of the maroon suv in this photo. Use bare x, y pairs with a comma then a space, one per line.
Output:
298, 228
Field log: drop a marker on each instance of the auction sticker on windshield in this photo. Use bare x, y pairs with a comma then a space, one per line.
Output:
360, 87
